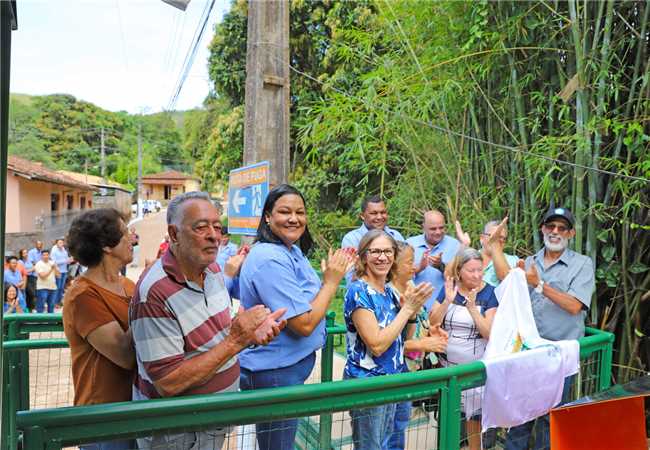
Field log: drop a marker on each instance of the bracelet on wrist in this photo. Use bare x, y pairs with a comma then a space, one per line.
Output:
413, 320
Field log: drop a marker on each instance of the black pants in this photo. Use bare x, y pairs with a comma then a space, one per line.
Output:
30, 293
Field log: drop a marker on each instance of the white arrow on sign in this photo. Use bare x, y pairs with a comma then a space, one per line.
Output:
238, 201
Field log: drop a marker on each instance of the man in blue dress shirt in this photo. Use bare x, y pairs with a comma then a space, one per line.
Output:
433, 250
374, 216
226, 248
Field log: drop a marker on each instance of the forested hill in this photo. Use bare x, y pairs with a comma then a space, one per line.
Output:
65, 133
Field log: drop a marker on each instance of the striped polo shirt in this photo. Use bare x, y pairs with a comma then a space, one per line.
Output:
174, 319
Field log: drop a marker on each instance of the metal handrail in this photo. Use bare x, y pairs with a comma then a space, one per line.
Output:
72, 425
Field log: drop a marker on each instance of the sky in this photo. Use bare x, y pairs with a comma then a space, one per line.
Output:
118, 54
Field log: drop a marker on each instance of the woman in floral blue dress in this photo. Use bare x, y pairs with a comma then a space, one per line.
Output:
375, 324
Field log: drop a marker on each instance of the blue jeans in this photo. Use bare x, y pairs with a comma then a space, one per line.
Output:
45, 297
518, 437
397, 439
371, 427
60, 286
281, 434
109, 445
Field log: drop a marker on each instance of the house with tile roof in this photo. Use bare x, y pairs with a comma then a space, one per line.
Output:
41, 202
166, 185
109, 194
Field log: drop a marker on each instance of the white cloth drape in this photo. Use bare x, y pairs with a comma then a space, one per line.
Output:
522, 385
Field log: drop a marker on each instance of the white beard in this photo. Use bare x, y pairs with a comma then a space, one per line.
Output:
555, 247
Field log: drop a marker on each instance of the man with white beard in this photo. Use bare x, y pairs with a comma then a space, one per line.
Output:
561, 283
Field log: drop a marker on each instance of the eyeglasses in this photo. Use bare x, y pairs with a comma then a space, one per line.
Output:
377, 252
555, 226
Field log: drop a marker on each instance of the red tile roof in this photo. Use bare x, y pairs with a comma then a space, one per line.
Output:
169, 175
37, 171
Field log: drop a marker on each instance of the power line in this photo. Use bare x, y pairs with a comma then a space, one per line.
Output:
122, 35
191, 54
459, 134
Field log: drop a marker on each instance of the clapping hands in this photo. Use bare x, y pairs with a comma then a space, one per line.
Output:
337, 264
415, 296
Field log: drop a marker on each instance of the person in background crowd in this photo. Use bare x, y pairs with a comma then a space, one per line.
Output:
30, 286
13, 275
433, 250
466, 309
496, 263
60, 256
95, 317
425, 340
226, 248
34, 254
277, 275
185, 339
561, 283
164, 245
374, 216
377, 326
11, 303
47, 271
135, 243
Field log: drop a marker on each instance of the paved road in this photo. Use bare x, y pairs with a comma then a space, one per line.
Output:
151, 230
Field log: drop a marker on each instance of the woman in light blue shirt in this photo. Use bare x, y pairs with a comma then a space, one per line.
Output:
277, 274
61, 257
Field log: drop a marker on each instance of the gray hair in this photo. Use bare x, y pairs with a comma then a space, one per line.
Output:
491, 223
174, 207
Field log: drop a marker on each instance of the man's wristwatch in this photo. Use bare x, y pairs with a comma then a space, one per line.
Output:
540, 287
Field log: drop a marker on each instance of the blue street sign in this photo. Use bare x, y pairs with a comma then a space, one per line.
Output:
247, 191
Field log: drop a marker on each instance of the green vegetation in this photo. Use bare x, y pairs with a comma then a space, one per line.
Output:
480, 109
63, 132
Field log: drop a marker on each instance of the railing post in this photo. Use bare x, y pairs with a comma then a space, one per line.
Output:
326, 370
33, 439
12, 391
449, 416
605, 373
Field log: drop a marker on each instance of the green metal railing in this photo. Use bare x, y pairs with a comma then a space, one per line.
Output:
15, 367
55, 428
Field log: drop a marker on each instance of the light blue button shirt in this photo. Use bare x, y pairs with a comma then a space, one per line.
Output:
60, 257
573, 274
353, 238
225, 252
278, 277
448, 246
33, 256
490, 273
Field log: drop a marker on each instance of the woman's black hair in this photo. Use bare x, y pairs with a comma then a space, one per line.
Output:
264, 233
7, 287
91, 232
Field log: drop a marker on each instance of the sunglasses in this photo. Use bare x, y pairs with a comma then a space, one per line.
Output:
556, 226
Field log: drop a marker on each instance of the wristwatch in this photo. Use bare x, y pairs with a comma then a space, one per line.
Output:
540, 287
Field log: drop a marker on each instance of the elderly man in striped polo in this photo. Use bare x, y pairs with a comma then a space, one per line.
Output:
185, 339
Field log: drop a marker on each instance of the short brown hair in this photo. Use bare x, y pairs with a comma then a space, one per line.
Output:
368, 239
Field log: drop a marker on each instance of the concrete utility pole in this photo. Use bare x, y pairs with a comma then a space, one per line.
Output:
266, 129
140, 170
103, 154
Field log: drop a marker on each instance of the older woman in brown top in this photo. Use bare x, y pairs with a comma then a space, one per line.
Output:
95, 316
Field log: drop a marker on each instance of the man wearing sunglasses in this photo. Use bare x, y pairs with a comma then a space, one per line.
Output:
561, 283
